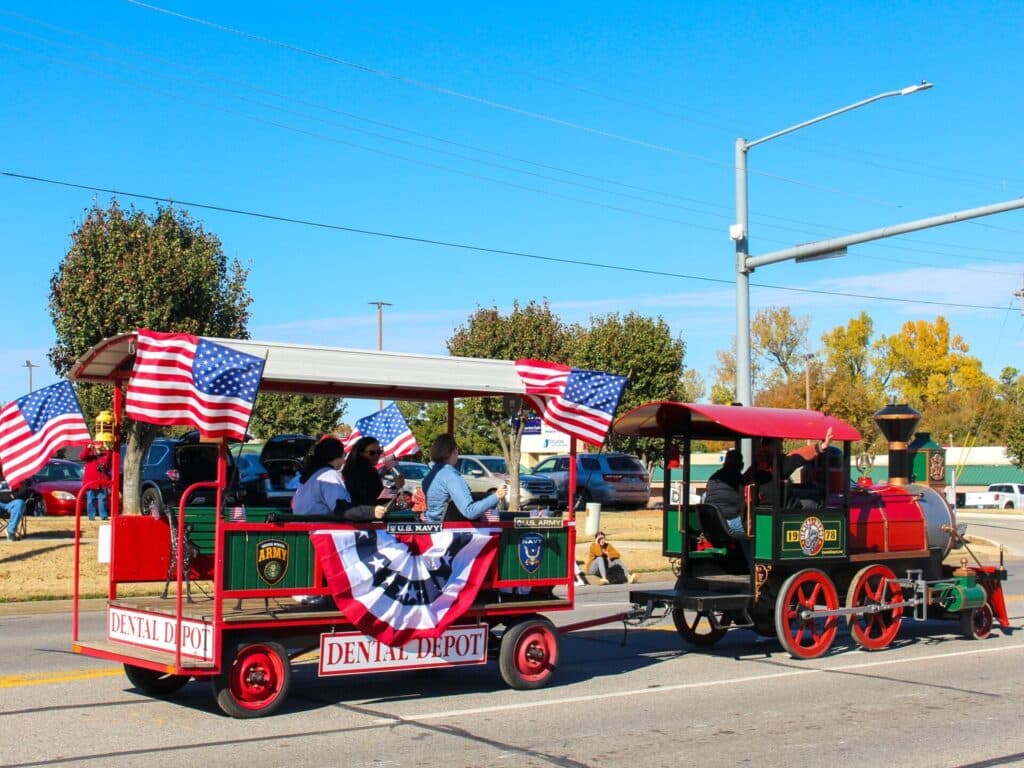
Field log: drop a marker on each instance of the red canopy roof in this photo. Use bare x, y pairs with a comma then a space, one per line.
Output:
726, 422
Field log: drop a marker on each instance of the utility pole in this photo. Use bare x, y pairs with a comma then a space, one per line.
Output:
380, 334
30, 365
807, 380
1020, 294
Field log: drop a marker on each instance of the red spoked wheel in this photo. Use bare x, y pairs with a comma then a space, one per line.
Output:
254, 682
697, 627
976, 624
529, 654
806, 637
874, 585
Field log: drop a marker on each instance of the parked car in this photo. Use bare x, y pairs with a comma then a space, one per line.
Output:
612, 479
173, 464
253, 478
55, 488
282, 457
484, 474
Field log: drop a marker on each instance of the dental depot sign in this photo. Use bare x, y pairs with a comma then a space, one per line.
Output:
151, 630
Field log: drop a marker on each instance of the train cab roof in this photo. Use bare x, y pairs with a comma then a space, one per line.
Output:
705, 421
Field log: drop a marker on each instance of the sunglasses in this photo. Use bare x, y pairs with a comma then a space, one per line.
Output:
372, 452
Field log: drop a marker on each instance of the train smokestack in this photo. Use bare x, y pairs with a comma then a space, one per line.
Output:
897, 423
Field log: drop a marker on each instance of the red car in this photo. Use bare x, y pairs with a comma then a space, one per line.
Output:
55, 488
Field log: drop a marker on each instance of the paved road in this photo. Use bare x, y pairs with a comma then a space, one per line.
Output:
1008, 530
932, 699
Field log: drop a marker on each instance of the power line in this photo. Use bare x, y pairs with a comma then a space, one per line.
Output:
287, 97
427, 86
476, 248
394, 155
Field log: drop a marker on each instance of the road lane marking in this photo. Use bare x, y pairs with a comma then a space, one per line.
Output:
48, 678
568, 700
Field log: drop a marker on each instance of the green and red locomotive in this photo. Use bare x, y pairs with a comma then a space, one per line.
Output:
814, 546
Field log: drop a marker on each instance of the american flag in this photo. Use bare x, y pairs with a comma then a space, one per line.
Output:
183, 379
34, 427
390, 429
399, 588
578, 402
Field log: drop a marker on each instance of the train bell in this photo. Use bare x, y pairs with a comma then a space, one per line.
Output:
104, 428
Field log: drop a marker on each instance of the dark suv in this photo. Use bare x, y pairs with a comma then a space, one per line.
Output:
613, 479
173, 464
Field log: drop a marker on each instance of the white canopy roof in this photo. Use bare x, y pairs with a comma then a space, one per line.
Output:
305, 369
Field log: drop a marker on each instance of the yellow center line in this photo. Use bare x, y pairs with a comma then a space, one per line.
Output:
48, 678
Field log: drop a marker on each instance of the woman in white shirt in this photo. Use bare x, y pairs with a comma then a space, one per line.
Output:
321, 488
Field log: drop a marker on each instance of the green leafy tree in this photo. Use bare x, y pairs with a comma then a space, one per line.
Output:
125, 270
777, 341
642, 348
846, 384
1015, 444
276, 414
527, 331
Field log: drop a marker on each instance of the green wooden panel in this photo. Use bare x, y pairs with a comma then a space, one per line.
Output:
550, 546
256, 559
763, 540
672, 537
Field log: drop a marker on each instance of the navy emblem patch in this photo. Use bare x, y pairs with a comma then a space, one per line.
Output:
531, 551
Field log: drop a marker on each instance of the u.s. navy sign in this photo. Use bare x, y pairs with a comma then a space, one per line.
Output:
348, 653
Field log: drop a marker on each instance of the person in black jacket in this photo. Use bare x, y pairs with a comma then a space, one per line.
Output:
362, 478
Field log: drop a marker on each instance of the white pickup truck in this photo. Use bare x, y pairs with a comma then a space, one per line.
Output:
998, 496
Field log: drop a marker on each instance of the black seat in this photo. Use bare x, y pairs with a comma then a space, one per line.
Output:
714, 526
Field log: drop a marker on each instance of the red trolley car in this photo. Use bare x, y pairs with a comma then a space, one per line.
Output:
234, 619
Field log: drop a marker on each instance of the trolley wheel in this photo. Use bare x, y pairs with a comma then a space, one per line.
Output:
150, 498
254, 681
529, 653
873, 585
154, 683
976, 624
696, 627
806, 638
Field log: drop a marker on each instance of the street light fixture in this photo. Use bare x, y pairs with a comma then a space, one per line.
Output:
30, 365
739, 233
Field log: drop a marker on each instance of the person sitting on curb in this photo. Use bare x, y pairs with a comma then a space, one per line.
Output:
603, 559
15, 508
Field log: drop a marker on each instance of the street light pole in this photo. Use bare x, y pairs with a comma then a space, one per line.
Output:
380, 334
739, 234
30, 365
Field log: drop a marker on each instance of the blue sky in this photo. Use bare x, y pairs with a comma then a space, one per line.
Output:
599, 132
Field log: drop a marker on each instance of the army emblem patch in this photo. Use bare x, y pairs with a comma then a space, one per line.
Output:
531, 551
272, 560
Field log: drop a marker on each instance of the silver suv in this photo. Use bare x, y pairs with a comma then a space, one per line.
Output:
484, 474
613, 479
